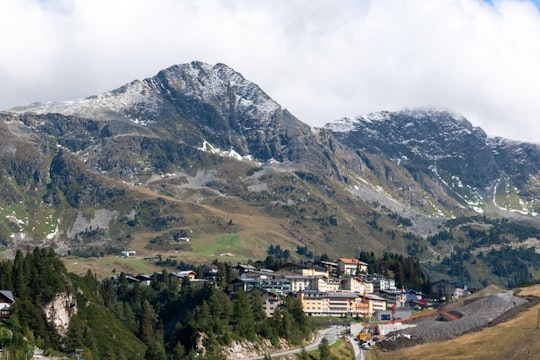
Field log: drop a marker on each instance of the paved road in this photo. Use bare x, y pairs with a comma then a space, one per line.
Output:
358, 352
331, 334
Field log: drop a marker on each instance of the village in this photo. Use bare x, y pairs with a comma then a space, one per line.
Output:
327, 289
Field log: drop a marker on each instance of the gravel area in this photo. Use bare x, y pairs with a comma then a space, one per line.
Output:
471, 317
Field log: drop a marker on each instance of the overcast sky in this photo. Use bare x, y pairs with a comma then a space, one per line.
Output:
321, 60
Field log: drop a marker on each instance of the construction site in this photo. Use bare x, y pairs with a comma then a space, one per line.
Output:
485, 308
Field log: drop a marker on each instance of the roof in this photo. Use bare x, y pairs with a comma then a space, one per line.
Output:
346, 295
331, 294
259, 280
393, 291
329, 263
246, 266
349, 261
8, 295
374, 297
143, 276
184, 273
304, 277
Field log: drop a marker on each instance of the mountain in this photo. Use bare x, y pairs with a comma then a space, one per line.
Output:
198, 152
479, 172
196, 135
212, 108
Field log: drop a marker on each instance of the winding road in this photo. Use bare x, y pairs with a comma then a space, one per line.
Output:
331, 334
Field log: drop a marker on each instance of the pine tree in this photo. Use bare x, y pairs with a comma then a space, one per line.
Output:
75, 334
146, 326
324, 350
155, 351
243, 322
19, 275
178, 352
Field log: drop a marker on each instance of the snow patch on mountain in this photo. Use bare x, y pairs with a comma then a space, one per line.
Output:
348, 124
134, 97
467, 194
452, 120
345, 124
207, 147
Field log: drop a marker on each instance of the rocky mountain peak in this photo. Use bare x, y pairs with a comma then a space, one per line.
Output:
429, 120
217, 84
428, 131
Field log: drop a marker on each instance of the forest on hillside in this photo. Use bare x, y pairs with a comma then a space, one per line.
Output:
113, 319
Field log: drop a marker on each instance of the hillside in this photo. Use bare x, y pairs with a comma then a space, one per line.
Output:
198, 152
59, 311
512, 336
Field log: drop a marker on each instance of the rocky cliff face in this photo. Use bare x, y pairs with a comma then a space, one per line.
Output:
59, 311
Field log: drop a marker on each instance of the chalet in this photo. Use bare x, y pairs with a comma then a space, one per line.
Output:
270, 302
331, 267
210, 271
243, 268
190, 274
6, 300
131, 281
447, 289
381, 282
144, 279
413, 295
291, 268
394, 297
460, 292
264, 274
351, 266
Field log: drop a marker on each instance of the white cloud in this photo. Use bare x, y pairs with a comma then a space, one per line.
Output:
320, 59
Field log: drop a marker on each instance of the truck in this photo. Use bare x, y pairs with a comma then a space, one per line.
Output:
364, 336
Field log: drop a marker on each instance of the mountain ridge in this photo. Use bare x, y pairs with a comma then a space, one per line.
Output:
208, 137
441, 141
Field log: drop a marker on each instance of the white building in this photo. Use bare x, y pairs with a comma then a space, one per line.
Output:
351, 266
355, 284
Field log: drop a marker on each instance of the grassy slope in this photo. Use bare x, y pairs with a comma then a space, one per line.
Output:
103, 267
340, 350
518, 338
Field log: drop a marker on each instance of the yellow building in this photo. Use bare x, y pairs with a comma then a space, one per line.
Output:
340, 303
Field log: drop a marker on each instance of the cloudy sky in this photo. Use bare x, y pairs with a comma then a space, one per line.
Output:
322, 60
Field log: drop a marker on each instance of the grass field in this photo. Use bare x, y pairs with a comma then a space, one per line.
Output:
103, 267
518, 338
224, 244
340, 350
